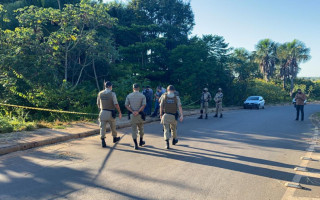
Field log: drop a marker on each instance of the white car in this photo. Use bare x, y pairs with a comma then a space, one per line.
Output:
254, 102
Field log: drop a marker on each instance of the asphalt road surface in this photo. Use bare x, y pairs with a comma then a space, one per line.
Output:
249, 154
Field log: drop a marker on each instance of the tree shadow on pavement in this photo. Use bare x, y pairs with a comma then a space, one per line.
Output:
216, 160
35, 180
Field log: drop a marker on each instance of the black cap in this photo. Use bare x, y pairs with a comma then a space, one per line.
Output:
136, 86
108, 84
171, 88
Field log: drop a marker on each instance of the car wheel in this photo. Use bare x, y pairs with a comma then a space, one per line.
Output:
244, 107
262, 107
258, 107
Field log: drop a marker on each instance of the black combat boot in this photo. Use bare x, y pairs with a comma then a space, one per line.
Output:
220, 115
135, 144
216, 115
174, 141
116, 139
206, 116
141, 143
167, 144
103, 142
201, 113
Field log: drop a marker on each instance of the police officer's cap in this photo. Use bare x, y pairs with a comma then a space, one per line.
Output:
136, 86
205, 89
108, 84
171, 88
220, 89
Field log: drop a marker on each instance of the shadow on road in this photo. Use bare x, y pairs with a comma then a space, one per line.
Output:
36, 181
215, 159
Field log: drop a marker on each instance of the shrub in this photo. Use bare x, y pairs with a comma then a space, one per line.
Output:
270, 91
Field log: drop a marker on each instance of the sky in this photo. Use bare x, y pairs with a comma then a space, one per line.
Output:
244, 22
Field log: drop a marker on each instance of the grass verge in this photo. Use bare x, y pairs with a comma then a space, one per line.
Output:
8, 124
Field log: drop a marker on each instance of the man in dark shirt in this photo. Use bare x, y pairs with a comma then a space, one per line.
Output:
157, 103
149, 95
300, 100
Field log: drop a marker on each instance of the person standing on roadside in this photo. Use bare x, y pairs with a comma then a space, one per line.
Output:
205, 98
135, 103
107, 103
300, 101
218, 99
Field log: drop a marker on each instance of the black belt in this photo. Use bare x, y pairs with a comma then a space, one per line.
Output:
171, 114
113, 113
176, 115
108, 110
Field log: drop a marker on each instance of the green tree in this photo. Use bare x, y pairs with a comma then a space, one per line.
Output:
147, 32
291, 54
266, 57
199, 64
243, 65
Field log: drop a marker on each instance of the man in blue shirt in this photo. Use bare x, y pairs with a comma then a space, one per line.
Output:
157, 103
149, 96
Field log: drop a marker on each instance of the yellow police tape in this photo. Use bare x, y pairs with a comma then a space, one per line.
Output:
192, 103
45, 109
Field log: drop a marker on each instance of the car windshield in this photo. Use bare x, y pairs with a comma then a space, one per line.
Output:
253, 98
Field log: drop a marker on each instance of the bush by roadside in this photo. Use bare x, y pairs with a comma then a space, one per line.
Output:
8, 124
18, 120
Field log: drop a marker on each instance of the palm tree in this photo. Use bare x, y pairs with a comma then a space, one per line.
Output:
291, 54
266, 57
298, 53
283, 54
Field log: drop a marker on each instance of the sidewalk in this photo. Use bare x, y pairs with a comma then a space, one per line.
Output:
18, 141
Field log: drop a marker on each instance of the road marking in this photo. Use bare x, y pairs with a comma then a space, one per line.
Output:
302, 169
295, 183
313, 143
308, 158
311, 148
310, 174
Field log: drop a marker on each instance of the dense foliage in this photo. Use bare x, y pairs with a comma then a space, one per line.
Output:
57, 54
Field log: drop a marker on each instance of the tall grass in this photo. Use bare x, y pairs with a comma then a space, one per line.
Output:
15, 121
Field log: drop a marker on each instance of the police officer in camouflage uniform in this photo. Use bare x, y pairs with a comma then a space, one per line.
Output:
107, 103
205, 98
169, 106
218, 99
135, 103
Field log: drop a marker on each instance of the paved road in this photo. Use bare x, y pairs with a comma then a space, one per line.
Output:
249, 154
